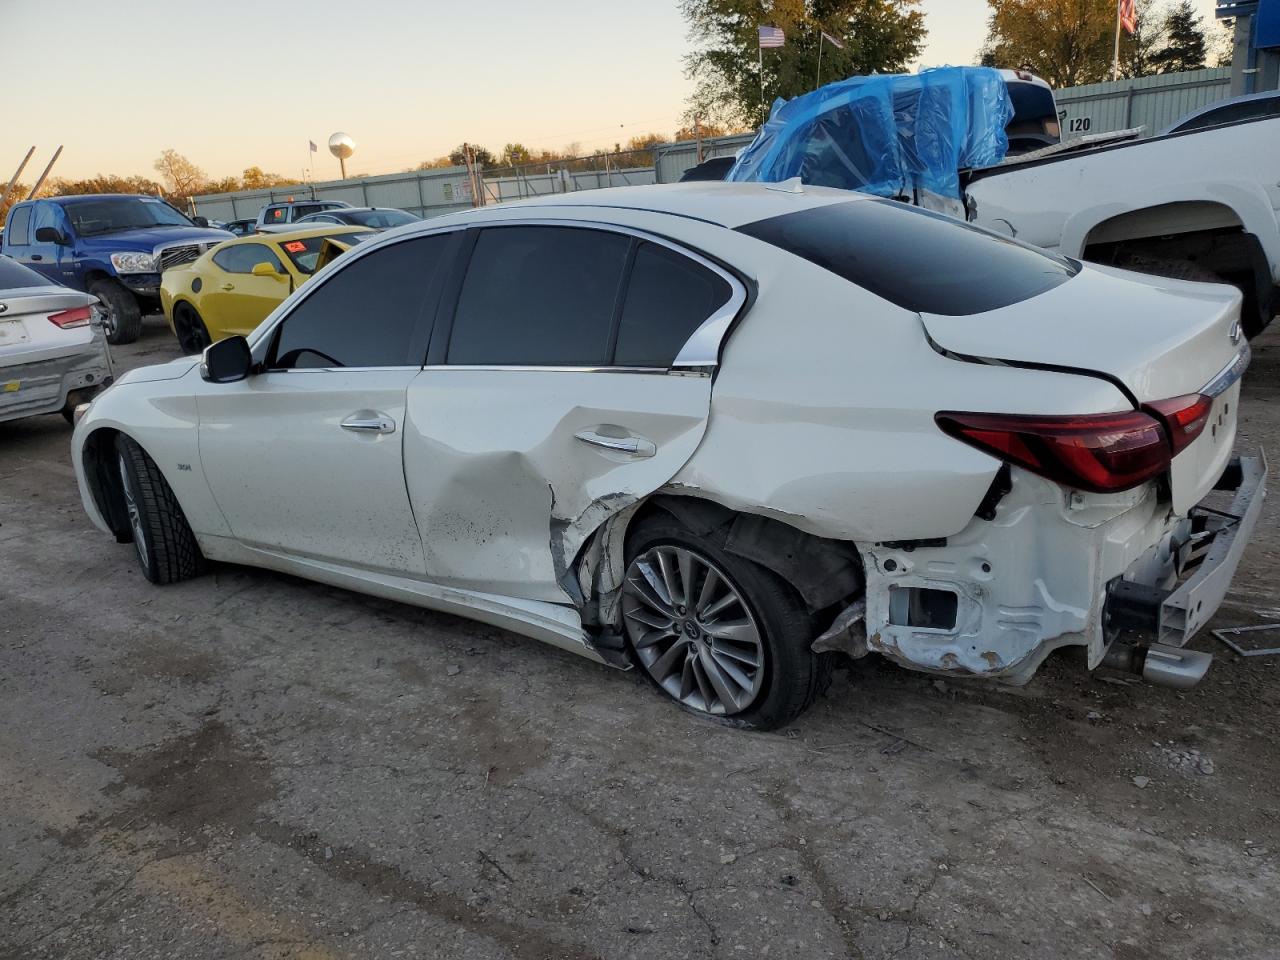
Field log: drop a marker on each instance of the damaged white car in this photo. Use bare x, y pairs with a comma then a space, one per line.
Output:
722, 432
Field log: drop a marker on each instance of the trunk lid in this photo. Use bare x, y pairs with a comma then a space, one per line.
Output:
26, 333
1159, 338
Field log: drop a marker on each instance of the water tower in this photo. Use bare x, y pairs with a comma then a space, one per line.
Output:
342, 146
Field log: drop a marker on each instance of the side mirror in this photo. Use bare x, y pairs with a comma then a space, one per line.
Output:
51, 235
200, 221
226, 361
265, 269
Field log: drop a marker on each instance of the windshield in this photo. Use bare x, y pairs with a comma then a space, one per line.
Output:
379, 219
90, 218
304, 252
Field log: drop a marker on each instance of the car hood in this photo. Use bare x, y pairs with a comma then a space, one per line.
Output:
146, 239
173, 370
1158, 337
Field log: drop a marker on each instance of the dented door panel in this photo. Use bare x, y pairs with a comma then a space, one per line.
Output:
509, 470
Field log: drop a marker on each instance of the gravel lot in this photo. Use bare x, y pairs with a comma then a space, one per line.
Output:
249, 765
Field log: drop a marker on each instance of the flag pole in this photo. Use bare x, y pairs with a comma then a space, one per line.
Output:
760, 59
1115, 58
818, 82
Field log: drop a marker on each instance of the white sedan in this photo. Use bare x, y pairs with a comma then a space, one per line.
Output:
721, 432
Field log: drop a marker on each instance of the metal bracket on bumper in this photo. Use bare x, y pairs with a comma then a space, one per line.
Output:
1193, 602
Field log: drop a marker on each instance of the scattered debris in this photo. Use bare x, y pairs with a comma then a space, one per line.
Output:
896, 747
1174, 917
1093, 715
1188, 761
728, 858
1225, 636
1257, 851
328, 853
453, 670
1098, 888
1141, 782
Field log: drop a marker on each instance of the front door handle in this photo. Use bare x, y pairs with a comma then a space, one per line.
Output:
366, 423
36, 256
228, 286
632, 446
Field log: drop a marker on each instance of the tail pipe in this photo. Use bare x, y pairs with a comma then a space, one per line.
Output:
1160, 664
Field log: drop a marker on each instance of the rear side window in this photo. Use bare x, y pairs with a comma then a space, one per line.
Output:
668, 298
368, 314
243, 257
17, 232
1234, 113
276, 215
14, 276
917, 259
539, 296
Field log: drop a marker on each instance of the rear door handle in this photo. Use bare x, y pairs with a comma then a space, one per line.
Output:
632, 446
363, 423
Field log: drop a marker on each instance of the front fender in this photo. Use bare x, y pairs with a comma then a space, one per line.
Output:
161, 416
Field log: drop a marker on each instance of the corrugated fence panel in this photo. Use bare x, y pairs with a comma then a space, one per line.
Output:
1152, 102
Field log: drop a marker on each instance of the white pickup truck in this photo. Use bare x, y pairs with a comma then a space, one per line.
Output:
1199, 205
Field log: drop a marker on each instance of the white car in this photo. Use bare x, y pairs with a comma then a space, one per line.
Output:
53, 353
720, 431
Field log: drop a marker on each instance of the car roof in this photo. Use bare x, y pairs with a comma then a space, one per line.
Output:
725, 204
1218, 105
302, 233
76, 197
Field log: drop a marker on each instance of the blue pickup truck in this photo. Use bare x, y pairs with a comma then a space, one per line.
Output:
114, 246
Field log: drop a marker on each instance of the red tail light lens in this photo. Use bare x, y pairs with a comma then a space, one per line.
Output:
1101, 453
1183, 417
70, 319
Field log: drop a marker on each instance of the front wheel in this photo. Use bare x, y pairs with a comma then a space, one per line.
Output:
123, 321
166, 547
722, 636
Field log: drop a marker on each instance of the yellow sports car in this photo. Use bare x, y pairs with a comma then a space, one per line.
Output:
231, 288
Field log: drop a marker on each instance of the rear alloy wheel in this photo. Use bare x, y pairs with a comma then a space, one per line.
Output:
193, 335
717, 633
692, 630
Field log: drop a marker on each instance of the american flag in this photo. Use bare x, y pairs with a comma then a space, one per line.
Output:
1129, 16
773, 37
832, 40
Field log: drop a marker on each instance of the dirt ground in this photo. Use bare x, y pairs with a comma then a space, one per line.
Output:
250, 765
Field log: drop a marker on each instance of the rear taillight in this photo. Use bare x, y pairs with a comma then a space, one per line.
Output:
1184, 418
70, 319
1102, 453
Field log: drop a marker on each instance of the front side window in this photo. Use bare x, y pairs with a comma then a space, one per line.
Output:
243, 257
668, 298
18, 231
539, 296
46, 215
366, 314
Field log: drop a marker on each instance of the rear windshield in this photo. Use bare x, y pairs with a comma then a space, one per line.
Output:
919, 260
14, 276
379, 219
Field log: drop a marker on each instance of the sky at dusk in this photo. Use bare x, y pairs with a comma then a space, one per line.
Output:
408, 79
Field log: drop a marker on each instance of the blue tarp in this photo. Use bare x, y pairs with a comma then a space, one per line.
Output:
887, 135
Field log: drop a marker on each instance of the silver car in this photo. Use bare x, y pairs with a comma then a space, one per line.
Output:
53, 354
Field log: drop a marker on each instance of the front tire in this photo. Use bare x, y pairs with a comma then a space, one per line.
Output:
722, 636
166, 547
124, 316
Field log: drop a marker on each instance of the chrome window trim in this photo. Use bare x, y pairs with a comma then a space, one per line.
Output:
1229, 374
400, 367
535, 368
702, 349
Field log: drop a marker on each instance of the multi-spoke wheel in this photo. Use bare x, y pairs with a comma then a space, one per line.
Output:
722, 635
167, 549
692, 630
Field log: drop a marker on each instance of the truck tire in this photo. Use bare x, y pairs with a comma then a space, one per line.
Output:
124, 316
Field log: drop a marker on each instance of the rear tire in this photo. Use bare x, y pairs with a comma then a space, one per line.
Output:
767, 610
124, 316
193, 335
166, 548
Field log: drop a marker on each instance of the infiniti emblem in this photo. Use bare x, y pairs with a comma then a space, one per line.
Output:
1235, 332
